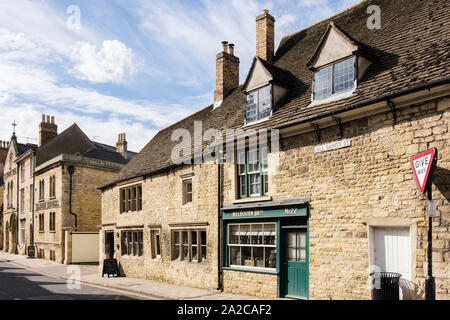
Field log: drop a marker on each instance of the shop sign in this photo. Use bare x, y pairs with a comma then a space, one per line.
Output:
265, 213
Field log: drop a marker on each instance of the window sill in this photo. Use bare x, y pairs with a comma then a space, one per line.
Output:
131, 256
250, 270
256, 122
252, 199
332, 98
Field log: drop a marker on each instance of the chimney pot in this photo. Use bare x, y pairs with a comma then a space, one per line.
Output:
231, 49
225, 44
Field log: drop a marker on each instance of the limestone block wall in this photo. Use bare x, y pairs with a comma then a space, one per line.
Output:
372, 180
164, 210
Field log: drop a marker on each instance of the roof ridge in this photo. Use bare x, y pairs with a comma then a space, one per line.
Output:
314, 24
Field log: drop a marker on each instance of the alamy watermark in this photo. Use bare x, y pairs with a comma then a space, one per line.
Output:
74, 280
374, 21
199, 147
74, 20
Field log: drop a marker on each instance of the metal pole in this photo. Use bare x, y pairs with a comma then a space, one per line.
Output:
430, 287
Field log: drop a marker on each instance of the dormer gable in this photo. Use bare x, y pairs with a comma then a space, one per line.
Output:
264, 81
338, 63
333, 46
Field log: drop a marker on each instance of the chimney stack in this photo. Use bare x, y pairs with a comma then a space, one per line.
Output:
227, 73
122, 144
47, 130
3, 151
265, 36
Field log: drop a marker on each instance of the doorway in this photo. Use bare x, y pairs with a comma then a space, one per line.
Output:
295, 270
109, 245
391, 252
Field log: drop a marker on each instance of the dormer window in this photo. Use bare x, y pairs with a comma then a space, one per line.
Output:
334, 79
259, 105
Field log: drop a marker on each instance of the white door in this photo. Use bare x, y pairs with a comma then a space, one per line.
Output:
392, 252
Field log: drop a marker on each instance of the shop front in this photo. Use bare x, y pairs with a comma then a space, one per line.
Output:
268, 238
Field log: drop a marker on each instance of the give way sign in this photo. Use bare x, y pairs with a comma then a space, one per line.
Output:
423, 166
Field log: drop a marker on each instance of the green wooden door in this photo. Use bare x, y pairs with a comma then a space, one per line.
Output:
295, 263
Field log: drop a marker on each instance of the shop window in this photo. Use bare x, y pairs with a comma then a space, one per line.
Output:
131, 199
133, 243
189, 245
253, 173
252, 245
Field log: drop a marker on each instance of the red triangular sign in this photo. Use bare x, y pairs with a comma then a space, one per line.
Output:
422, 165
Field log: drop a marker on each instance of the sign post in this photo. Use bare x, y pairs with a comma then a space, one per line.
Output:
423, 166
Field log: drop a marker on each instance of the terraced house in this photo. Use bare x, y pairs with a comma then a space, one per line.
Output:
52, 201
331, 197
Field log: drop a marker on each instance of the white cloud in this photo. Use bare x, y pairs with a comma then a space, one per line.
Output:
113, 62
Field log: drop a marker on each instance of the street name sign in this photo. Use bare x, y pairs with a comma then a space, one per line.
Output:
423, 166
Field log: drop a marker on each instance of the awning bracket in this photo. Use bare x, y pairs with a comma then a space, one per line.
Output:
317, 129
393, 110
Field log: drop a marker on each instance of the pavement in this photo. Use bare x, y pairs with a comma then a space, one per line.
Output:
89, 274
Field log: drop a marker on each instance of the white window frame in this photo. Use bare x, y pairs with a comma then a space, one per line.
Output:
333, 93
257, 93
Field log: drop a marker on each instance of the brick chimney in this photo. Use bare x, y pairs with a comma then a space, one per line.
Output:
227, 73
265, 36
47, 129
121, 145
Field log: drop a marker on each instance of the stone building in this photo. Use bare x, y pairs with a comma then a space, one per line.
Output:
3, 154
331, 197
54, 186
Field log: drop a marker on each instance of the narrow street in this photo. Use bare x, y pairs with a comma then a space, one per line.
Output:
17, 283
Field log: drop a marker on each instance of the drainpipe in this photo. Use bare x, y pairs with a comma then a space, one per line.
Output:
71, 171
219, 244
33, 159
17, 210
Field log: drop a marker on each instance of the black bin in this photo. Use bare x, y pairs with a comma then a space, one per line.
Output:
385, 285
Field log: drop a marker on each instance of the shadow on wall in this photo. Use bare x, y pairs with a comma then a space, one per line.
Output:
442, 181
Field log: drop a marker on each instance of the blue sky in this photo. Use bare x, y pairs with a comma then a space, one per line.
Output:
132, 66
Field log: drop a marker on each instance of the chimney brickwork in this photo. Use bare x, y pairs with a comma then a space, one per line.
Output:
265, 36
227, 73
122, 145
47, 129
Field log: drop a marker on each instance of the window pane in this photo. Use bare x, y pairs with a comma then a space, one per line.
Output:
158, 248
292, 254
194, 253
257, 234
234, 234
235, 256
247, 256
323, 82
185, 245
264, 102
344, 75
203, 242
252, 108
258, 257
270, 257
269, 234
245, 234
254, 184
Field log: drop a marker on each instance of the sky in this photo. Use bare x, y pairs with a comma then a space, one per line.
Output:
122, 66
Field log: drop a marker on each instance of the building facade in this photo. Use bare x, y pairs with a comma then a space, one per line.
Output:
330, 198
51, 190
